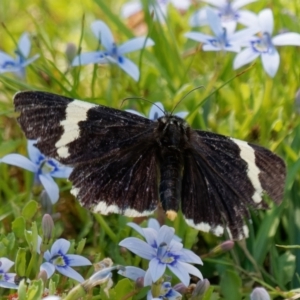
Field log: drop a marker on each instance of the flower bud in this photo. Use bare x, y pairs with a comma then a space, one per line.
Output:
259, 293
70, 52
181, 288
200, 289
47, 227
224, 247
43, 275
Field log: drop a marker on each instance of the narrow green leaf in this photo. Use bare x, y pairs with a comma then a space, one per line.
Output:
29, 209
20, 265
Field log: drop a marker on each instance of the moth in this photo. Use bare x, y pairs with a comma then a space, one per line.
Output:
127, 164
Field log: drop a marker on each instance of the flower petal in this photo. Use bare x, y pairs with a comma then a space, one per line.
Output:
148, 279
69, 272
19, 161
5, 264
136, 227
34, 153
248, 18
129, 67
132, 273
199, 37
157, 269
29, 60
60, 171
138, 247
156, 111
153, 223
48, 268
60, 246
8, 285
47, 255
271, 62
190, 257
286, 39
217, 3
199, 18
130, 8
89, 58
182, 115
165, 235
209, 47
244, 57
103, 33
5, 58
135, 44
24, 44
75, 260
50, 187
181, 4
150, 235
214, 22
266, 20
180, 272
240, 3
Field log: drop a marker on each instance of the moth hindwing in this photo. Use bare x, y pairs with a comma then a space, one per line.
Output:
124, 163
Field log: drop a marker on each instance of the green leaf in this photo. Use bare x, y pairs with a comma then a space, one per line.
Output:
18, 227
30, 209
123, 288
20, 266
80, 246
22, 290
286, 267
35, 290
231, 285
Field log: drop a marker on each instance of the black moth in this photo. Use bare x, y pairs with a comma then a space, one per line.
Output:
127, 164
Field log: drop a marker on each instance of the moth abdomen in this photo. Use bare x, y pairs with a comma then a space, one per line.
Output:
170, 184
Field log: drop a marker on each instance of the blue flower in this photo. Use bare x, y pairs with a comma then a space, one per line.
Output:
153, 224
166, 290
58, 259
223, 40
264, 45
157, 110
229, 13
7, 280
43, 168
158, 7
163, 252
17, 65
113, 53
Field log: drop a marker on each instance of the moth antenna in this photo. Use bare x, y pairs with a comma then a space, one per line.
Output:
141, 98
194, 89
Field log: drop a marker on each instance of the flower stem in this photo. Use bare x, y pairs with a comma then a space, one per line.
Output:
106, 228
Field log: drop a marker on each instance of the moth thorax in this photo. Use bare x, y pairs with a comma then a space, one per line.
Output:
172, 131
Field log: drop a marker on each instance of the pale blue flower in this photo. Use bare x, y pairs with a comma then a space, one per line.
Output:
264, 45
17, 65
153, 224
158, 7
44, 168
7, 280
223, 40
113, 53
260, 293
157, 110
166, 290
229, 13
58, 259
163, 252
